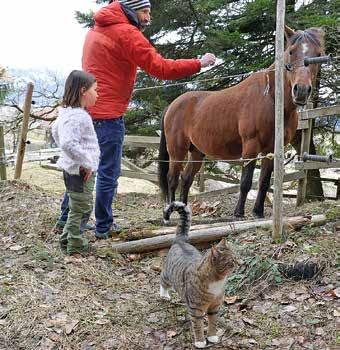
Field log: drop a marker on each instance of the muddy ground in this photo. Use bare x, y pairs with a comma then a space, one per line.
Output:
110, 301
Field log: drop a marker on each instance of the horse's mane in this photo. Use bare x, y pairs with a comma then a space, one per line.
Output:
313, 35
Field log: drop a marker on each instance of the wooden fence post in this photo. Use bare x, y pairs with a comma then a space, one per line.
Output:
201, 180
305, 145
24, 131
279, 121
3, 174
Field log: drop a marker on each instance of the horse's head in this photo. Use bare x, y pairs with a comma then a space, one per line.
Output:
302, 44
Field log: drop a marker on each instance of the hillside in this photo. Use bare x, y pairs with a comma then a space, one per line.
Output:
110, 301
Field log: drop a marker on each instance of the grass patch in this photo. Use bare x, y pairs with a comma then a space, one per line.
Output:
39, 252
273, 326
251, 272
114, 302
333, 214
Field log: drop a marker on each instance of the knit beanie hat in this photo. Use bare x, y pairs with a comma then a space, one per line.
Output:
136, 4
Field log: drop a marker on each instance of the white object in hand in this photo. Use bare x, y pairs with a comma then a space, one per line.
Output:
208, 59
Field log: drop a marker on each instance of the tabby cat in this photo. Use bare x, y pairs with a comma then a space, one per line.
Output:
199, 280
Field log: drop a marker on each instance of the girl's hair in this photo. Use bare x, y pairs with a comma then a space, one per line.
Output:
77, 80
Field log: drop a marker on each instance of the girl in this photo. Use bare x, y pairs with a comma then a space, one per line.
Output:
74, 133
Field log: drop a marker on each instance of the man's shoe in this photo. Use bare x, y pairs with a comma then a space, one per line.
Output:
115, 229
100, 235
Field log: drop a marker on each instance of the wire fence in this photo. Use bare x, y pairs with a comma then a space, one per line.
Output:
240, 75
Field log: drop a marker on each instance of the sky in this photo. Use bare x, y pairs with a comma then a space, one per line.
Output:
42, 34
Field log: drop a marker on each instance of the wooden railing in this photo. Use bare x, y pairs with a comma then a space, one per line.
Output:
305, 124
152, 142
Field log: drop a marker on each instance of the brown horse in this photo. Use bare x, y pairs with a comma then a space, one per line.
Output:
237, 122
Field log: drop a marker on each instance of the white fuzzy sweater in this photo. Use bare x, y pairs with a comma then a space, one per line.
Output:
74, 133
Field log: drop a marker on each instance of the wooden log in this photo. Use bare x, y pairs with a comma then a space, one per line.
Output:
147, 233
212, 234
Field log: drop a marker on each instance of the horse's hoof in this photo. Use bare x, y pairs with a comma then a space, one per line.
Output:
201, 344
238, 214
213, 339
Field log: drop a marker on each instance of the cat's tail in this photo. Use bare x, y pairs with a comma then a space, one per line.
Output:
184, 219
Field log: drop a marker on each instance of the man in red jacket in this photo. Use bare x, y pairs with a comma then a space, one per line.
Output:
113, 50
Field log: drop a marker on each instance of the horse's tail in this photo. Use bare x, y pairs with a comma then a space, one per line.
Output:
183, 226
163, 164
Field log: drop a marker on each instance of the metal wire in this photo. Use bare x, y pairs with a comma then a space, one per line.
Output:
210, 79
203, 80
269, 156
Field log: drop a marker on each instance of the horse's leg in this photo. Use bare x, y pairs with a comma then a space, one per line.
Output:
193, 166
245, 186
264, 183
175, 169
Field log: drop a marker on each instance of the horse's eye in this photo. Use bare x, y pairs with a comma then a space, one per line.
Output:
289, 67
290, 52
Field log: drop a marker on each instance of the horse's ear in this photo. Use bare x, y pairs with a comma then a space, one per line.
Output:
320, 33
288, 32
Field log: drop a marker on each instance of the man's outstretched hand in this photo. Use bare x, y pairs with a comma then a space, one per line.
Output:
208, 59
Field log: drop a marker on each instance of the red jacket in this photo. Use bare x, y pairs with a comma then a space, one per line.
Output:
113, 50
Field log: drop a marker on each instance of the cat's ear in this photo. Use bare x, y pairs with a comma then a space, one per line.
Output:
222, 244
215, 253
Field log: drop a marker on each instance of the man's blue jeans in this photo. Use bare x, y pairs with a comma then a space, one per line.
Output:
110, 134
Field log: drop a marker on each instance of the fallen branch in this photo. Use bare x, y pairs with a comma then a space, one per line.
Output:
214, 233
147, 233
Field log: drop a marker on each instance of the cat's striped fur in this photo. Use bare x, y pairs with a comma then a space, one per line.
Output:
198, 279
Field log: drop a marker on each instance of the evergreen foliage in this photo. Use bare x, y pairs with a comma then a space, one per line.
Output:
241, 33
